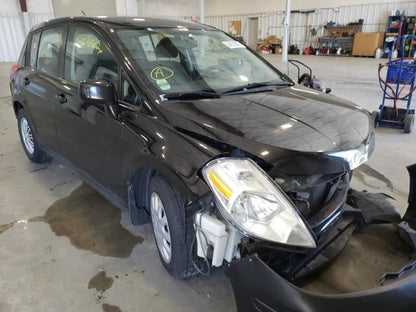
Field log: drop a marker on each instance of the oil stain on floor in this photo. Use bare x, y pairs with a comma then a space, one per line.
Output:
110, 308
100, 282
5, 227
90, 222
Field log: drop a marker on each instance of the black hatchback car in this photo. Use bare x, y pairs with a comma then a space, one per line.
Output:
184, 127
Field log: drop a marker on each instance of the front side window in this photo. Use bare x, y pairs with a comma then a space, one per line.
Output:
34, 49
191, 60
129, 94
49, 45
87, 57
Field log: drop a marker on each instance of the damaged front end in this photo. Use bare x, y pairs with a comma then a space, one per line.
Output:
262, 271
260, 287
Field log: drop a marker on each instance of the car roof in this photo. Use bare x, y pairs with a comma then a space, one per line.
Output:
126, 22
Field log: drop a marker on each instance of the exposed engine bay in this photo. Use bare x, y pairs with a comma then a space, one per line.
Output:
331, 210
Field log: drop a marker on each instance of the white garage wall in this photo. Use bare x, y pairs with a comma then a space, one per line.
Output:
14, 25
220, 7
12, 36
90, 7
126, 7
40, 6
168, 8
271, 23
9, 6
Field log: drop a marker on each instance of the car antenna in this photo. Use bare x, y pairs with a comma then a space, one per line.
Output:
83, 13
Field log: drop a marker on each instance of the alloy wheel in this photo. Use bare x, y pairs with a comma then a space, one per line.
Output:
27, 135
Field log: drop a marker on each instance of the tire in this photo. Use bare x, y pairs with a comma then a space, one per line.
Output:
409, 123
169, 219
376, 116
28, 139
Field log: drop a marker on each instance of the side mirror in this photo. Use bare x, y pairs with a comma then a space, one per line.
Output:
99, 92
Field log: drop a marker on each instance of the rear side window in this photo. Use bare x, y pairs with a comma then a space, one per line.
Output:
34, 49
49, 45
87, 57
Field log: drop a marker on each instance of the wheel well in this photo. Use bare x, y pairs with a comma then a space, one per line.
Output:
17, 106
138, 192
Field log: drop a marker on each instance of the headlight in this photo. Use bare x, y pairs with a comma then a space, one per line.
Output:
254, 204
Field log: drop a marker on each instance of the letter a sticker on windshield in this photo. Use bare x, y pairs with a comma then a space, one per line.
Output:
161, 72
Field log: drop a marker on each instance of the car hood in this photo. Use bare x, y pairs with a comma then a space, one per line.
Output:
293, 118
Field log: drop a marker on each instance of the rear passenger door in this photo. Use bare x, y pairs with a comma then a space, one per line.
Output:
41, 81
89, 135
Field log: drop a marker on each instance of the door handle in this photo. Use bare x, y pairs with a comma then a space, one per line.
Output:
62, 98
27, 81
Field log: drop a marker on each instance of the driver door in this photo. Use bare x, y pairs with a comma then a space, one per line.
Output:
89, 135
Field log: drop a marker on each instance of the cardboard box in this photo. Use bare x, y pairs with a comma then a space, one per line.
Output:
268, 42
366, 44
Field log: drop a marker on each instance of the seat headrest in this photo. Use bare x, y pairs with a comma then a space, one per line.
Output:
165, 48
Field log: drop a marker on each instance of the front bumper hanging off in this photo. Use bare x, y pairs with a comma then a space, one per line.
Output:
259, 288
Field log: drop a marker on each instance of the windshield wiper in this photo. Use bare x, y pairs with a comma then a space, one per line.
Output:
191, 95
249, 87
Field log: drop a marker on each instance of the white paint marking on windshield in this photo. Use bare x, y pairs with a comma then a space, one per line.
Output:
233, 44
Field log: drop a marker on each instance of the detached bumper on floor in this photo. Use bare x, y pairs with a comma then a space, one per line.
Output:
259, 288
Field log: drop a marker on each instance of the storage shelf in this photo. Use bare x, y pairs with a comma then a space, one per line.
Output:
393, 29
335, 40
338, 37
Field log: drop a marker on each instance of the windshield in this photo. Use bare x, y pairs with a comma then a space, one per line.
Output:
181, 60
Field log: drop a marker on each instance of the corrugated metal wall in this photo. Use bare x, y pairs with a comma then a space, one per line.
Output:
13, 30
271, 23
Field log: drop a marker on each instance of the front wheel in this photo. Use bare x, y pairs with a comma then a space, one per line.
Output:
28, 139
167, 209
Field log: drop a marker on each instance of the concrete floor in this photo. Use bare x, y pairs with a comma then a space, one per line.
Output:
60, 241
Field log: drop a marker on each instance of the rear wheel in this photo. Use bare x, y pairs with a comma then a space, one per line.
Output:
28, 139
167, 209
409, 123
